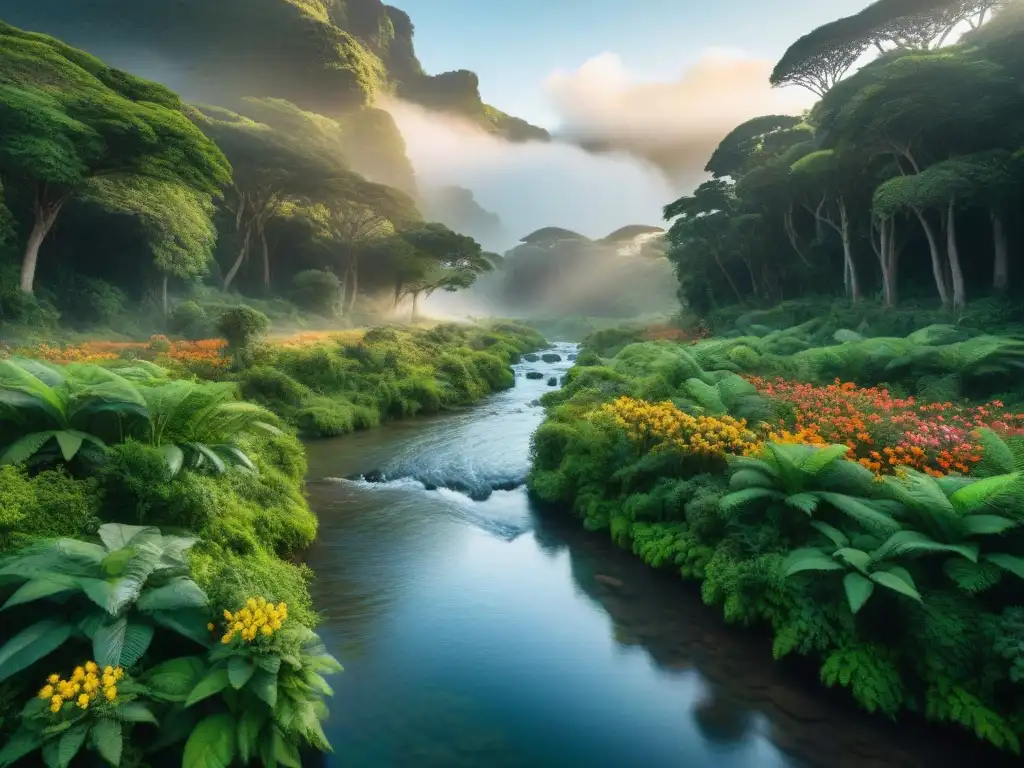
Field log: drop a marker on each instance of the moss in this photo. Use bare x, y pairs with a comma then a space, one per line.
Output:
50, 504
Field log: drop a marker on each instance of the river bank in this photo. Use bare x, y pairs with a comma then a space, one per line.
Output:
859, 559
499, 633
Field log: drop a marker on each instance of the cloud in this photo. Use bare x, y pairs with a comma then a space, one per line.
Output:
673, 125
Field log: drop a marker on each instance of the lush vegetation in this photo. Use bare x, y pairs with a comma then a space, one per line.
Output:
153, 613
167, 210
875, 533
903, 182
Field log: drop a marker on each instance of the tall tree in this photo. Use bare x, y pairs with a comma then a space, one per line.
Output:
66, 118
176, 220
442, 260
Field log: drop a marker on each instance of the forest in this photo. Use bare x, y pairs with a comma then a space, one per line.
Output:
831, 440
906, 170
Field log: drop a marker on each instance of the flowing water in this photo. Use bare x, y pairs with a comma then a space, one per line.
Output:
486, 633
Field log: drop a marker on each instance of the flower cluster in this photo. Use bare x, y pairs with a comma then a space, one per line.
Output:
885, 433
207, 352
309, 338
663, 426
665, 332
258, 617
86, 684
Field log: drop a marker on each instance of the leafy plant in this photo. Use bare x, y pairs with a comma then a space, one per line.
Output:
115, 593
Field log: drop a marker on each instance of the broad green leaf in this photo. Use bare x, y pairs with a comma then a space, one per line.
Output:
137, 712
107, 739
208, 454
897, 583
176, 594
249, 726
858, 590
809, 560
116, 563
33, 643
1009, 563
972, 577
240, 671
24, 448
264, 685
859, 559
211, 744
174, 457
981, 492
70, 744
173, 680
236, 455
22, 743
214, 682
987, 525
112, 596
750, 478
40, 588
187, 623
118, 536
108, 641
69, 442
286, 753
833, 534
863, 512
916, 543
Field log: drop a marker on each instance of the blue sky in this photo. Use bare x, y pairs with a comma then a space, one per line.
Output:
515, 44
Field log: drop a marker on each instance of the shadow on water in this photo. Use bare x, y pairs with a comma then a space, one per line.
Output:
489, 633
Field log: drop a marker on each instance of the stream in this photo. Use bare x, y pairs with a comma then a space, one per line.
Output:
486, 633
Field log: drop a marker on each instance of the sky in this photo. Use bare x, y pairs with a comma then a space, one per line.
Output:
515, 46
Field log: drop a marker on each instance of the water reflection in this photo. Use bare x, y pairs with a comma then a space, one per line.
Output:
494, 634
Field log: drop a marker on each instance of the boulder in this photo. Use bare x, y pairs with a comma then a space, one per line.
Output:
553, 381
534, 375
551, 357
531, 358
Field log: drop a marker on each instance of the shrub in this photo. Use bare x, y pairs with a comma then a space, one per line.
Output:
242, 326
271, 387
317, 291
135, 483
190, 320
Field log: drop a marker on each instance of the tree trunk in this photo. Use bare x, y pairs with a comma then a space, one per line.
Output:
261, 230
959, 297
728, 277
46, 212
1001, 265
887, 259
850, 271
163, 294
787, 222
415, 305
243, 253
933, 247
354, 269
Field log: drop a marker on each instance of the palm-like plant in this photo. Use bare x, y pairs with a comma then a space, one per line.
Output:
115, 593
804, 477
864, 569
197, 426
954, 515
44, 408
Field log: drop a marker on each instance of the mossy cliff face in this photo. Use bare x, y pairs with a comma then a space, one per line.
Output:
327, 56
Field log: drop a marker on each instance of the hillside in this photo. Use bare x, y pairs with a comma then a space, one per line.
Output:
327, 56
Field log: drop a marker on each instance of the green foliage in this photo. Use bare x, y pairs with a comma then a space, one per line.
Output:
902, 589
242, 326
317, 291
190, 320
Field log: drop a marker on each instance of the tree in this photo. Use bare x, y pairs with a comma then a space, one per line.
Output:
821, 58
66, 118
749, 142
176, 219
441, 260
827, 184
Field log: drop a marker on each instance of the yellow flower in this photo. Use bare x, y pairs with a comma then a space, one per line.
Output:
78, 674
108, 680
83, 701
56, 703
46, 692
266, 630
210, 626
53, 679
108, 670
227, 638
118, 673
90, 666
110, 693
227, 615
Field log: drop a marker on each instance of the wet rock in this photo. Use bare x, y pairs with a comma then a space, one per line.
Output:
531, 358
553, 381
551, 357
570, 358
374, 476
611, 581
534, 375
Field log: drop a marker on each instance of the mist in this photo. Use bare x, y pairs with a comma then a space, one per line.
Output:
531, 185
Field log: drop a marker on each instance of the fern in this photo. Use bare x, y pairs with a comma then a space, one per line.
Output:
870, 672
948, 702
